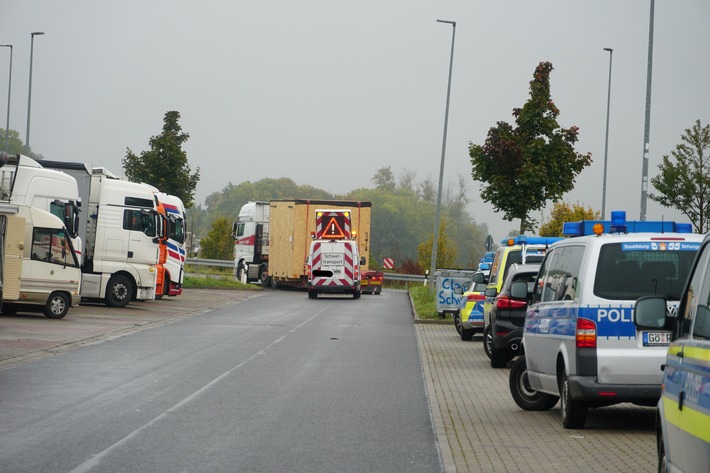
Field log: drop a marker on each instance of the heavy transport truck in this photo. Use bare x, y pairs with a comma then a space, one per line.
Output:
272, 239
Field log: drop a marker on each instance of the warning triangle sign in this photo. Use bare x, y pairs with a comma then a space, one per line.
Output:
333, 229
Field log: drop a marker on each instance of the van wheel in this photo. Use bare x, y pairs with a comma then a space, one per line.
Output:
57, 306
524, 396
488, 341
574, 413
457, 321
119, 291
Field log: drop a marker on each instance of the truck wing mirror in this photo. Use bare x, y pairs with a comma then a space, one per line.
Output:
363, 260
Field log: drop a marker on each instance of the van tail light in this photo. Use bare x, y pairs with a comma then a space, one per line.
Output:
586, 334
474, 296
505, 302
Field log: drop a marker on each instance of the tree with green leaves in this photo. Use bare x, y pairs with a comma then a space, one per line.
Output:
685, 184
446, 251
165, 166
521, 168
563, 212
12, 144
218, 244
384, 178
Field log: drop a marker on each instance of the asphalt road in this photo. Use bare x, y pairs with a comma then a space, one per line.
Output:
273, 384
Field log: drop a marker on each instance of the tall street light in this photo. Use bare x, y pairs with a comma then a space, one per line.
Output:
435, 245
647, 121
29, 93
9, 89
606, 140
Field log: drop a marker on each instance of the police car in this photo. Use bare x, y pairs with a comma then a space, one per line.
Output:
580, 343
513, 250
683, 423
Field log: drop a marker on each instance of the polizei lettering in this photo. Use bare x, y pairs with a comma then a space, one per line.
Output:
614, 315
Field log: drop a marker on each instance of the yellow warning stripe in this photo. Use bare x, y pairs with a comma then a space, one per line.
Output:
695, 423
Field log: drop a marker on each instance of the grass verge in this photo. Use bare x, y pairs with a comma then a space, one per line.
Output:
424, 302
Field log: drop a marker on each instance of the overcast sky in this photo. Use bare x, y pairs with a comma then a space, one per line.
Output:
327, 92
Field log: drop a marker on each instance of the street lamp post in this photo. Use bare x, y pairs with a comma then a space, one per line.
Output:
29, 92
9, 89
606, 140
647, 118
435, 244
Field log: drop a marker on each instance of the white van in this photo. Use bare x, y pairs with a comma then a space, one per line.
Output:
333, 267
40, 269
580, 343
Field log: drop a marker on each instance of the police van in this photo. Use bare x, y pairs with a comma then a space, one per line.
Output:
580, 343
683, 423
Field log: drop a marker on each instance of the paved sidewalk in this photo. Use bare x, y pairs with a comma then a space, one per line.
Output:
481, 429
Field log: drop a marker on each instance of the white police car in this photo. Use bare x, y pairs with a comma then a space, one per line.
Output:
683, 423
580, 342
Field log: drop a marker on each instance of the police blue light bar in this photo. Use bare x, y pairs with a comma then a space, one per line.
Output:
531, 240
618, 224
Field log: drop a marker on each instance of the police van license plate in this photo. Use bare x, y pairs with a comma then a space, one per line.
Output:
656, 339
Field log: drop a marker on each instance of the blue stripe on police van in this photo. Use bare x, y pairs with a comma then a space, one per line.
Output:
613, 322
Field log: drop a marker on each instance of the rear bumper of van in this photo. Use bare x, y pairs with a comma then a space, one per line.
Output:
586, 388
335, 289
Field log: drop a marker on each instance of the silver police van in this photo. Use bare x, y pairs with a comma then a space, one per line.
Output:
580, 343
683, 423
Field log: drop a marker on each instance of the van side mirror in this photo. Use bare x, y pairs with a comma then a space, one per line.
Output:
650, 313
479, 278
491, 292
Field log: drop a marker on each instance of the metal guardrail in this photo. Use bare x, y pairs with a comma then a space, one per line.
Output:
210, 262
230, 264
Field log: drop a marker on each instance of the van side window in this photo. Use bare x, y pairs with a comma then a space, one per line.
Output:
541, 294
52, 246
695, 306
559, 278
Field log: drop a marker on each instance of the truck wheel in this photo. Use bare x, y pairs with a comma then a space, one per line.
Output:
57, 306
488, 341
356, 294
574, 412
524, 396
119, 291
262, 276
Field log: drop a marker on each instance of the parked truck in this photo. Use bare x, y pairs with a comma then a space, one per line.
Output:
172, 244
24, 181
38, 266
272, 239
120, 228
